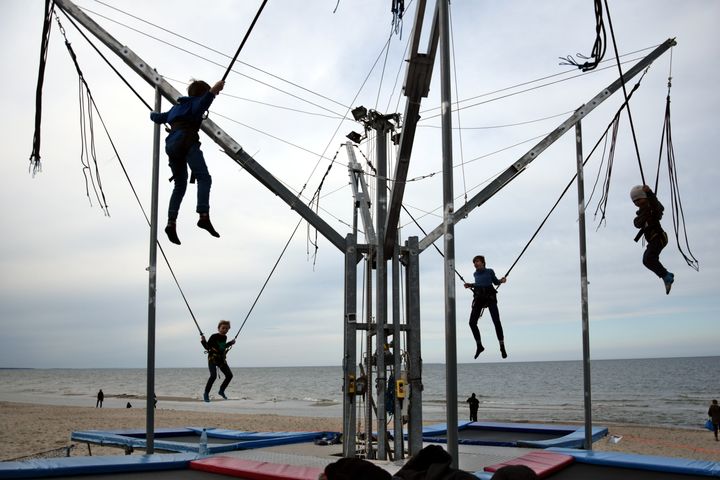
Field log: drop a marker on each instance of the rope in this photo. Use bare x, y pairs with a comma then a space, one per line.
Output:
35, 165
587, 158
316, 201
262, 289
127, 176
247, 34
457, 99
87, 150
678, 216
599, 47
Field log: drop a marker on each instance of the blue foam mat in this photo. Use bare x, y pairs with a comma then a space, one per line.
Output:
245, 440
644, 462
55, 467
574, 436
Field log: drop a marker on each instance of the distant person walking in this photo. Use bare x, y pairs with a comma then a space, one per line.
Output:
100, 398
714, 414
474, 405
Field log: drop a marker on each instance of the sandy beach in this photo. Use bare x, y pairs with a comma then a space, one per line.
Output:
30, 429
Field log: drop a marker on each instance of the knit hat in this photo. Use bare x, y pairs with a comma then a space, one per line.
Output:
637, 193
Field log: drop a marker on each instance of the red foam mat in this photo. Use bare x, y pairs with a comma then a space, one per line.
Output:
254, 470
543, 463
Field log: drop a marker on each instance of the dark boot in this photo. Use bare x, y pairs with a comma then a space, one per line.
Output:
171, 232
479, 350
205, 224
502, 349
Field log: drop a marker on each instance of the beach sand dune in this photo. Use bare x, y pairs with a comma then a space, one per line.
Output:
30, 429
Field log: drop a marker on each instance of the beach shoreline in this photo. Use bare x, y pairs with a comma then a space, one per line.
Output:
31, 428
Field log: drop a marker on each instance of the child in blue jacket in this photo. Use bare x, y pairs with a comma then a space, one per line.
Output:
182, 146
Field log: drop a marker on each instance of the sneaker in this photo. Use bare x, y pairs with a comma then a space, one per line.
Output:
502, 350
222, 394
205, 224
206, 397
171, 232
479, 350
669, 278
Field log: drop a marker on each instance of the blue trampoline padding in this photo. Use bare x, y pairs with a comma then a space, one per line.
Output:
483, 475
245, 440
242, 435
575, 439
55, 467
574, 436
441, 428
645, 462
543, 463
255, 470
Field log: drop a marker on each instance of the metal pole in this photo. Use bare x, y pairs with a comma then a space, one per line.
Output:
397, 365
350, 357
449, 236
152, 289
584, 288
381, 283
368, 356
412, 301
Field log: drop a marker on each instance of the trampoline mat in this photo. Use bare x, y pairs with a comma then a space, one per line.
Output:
502, 435
584, 471
159, 475
196, 439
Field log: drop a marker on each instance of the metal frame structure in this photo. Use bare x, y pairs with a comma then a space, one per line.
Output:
381, 233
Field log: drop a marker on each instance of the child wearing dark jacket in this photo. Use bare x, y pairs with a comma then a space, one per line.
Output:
182, 146
647, 219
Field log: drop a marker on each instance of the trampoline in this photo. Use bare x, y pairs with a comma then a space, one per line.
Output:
514, 434
570, 464
187, 439
157, 466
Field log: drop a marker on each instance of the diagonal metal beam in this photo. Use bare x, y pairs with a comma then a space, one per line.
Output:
361, 196
217, 134
417, 85
519, 166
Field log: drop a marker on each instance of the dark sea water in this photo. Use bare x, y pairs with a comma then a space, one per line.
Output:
665, 391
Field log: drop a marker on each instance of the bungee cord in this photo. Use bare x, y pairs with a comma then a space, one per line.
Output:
678, 215
599, 47
242, 44
622, 80
35, 165
87, 131
127, 176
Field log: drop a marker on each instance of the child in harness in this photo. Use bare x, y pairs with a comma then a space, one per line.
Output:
485, 296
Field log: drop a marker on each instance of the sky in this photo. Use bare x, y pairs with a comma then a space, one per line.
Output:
74, 284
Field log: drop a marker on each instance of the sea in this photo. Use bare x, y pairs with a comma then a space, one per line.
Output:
660, 391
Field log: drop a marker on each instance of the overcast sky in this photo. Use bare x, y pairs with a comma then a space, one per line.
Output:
74, 289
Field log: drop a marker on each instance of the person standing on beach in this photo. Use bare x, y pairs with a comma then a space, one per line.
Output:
183, 148
485, 295
100, 398
216, 349
474, 405
647, 219
714, 414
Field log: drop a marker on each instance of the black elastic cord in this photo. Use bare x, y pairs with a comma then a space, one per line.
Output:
247, 34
